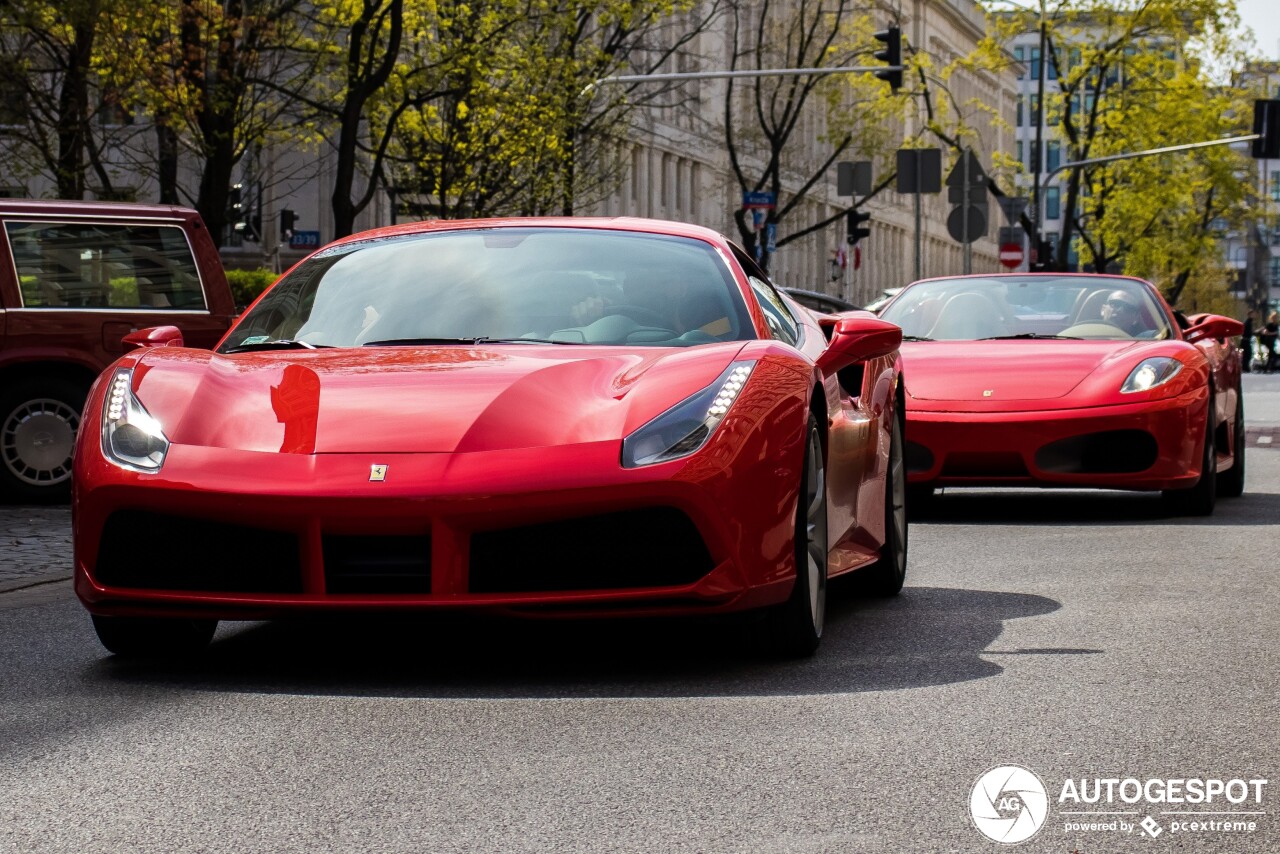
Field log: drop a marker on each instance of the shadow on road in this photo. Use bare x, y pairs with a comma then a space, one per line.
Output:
927, 636
1076, 507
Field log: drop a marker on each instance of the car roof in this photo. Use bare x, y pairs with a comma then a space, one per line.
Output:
638, 225
70, 207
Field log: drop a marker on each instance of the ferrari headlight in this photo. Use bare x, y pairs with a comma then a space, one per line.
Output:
1150, 373
131, 438
686, 427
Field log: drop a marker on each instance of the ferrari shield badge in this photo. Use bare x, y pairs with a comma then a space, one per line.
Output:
987, 392
377, 472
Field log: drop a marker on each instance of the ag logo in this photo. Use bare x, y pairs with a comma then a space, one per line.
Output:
1009, 804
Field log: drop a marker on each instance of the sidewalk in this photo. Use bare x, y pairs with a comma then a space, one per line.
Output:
35, 546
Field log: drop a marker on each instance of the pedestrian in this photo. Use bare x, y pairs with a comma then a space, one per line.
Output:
1246, 341
1267, 338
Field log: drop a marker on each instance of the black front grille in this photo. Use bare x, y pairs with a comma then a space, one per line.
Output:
984, 464
377, 564
918, 457
651, 547
1109, 452
157, 551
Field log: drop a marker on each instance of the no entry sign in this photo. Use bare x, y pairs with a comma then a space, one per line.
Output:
1010, 255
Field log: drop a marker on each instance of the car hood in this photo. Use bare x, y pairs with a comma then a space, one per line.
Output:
1001, 372
417, 400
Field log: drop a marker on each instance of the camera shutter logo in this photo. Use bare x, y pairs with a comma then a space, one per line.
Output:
1009, 804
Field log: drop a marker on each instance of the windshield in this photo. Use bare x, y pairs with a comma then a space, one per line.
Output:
523, 285
1080, 306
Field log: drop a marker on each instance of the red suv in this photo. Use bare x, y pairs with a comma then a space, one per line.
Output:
75, 278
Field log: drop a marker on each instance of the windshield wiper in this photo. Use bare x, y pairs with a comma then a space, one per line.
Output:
1031, 335
411, 342
916, 338
276, 344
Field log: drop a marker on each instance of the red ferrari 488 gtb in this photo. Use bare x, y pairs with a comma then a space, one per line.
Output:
568, 416
1069, 380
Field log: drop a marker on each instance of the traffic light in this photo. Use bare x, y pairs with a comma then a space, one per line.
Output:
1266, 123
235, 206
288, 219
891, 55
854, 220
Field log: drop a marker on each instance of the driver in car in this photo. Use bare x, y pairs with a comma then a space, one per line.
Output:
1123, 310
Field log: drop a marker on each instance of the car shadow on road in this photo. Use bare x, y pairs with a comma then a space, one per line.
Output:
1075, 507
926, 636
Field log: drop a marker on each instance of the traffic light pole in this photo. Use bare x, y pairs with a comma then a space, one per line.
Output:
763, 72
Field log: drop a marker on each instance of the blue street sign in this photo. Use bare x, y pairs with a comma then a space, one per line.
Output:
304, 240
759, 199
771, 237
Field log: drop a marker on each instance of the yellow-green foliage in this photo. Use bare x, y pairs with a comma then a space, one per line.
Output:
246, 285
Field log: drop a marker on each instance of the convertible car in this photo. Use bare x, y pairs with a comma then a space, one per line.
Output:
1069, 380
560, 416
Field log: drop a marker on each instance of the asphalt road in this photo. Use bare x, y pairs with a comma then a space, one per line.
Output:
1080, 635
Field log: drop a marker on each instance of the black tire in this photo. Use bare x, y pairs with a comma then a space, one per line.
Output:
920, 499
887, 575
1199, 500
153, 637
1231, 481
39, 417
796, 625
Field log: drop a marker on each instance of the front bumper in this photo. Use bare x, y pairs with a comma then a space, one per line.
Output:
1142, 446
244, 535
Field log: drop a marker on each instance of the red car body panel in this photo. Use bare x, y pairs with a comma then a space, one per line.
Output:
482, 441
985, 413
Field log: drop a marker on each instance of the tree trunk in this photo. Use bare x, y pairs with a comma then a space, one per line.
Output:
73, 109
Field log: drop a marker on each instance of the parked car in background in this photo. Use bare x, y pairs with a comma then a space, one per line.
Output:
76, 278
553, 416
817, 301
1069, 380
886, 296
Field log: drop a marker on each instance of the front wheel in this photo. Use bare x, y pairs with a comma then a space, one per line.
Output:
1231, 481
153, 637
886, 576
797, 624
1199, 500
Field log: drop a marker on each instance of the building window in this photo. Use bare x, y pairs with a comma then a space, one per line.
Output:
1035, 111
1020, 55
1051, 204
1020, 160
1021, 112
1054, 155
1275, 186
1274, 273
1035, 63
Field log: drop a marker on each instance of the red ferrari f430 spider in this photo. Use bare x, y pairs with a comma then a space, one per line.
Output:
563, 416
1069, 380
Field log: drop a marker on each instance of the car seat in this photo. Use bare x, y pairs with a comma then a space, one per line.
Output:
967, 317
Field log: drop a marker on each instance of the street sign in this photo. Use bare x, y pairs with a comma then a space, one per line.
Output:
977, 223
1010, 234
759, 199
853, 178
919, 170
1011, 255
304, 240
967, 168
771, 237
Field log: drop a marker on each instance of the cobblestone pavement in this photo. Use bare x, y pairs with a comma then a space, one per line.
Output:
35, 545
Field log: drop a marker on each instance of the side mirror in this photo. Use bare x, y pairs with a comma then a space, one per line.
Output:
1213, 326
153, 336
857, 338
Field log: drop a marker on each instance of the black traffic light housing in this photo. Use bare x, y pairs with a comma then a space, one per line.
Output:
235, 205
854, 220
1266, 123
288, 219
891, 55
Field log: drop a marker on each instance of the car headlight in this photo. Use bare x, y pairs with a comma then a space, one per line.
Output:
686, 427
131, 438
1150, 373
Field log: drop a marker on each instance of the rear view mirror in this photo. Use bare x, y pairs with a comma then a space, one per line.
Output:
153, 336
1213, 326
857, 337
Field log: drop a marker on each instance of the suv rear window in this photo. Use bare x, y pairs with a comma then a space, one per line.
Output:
97, 265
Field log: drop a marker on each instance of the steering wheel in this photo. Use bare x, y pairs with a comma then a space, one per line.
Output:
640, 314
1097, 329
